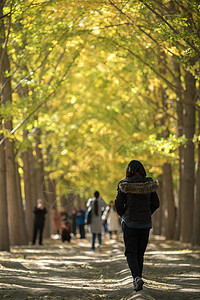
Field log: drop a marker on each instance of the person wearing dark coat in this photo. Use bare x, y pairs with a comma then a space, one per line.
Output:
135, 202
39, 220
80, 220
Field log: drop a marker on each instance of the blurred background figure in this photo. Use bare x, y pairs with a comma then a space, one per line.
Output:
66, 231
112, 218
39, 221
97, 205
66, 227
80, 219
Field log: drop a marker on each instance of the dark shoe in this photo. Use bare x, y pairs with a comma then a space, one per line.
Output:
138, 283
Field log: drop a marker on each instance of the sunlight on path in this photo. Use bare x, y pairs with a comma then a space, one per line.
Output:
72, 271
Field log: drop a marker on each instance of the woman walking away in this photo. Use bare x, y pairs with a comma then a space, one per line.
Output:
97, 205
113, 221
135, 202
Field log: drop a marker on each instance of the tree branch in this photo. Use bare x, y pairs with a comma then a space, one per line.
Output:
44, 100
169, 25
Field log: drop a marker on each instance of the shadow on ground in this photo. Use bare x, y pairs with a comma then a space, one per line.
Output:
73, 271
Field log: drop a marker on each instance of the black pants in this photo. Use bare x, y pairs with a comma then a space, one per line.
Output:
82, 231
38, 227
135, 245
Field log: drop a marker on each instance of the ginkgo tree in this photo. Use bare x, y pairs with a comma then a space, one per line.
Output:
92, 88
102, 118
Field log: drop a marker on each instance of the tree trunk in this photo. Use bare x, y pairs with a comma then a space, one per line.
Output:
156, 222
33, 186
39, 168
168, 229
179, 110
41, 183
27, 190
161, 213
157, 217
33, 182
11, 190
4, 234
196, 230
168, 200
52, 203
21, 223
11, 187
189, 180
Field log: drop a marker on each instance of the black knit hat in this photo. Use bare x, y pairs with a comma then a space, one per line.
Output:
134, 167
96, 194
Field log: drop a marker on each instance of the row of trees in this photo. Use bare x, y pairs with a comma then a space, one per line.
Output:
85, 87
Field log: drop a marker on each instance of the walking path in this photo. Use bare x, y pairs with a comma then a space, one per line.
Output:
72, 271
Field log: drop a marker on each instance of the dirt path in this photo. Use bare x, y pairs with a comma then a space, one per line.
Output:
72, 271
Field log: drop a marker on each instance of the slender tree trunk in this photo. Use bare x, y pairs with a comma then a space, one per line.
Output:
189, 180
52, 203
23, 93
156, 222
196, 231
33, 182
11, 187
4, 234
33, 186
40, 167
179, 110
27, 190
41, 183
21, 222
168, 199
157, 215
161, 214
13, 209
164, 209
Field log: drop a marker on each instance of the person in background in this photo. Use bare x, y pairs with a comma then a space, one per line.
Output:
39, 221
113, 220
65, 225
80, 220
57, 220
66, 231
135, 202
97, 205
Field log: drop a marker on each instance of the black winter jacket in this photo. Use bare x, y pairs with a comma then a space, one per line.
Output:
137, 200
39, 215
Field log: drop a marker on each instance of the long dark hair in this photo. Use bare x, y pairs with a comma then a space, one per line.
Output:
135, 167
96, 195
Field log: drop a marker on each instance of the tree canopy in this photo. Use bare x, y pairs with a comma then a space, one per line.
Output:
97, 78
